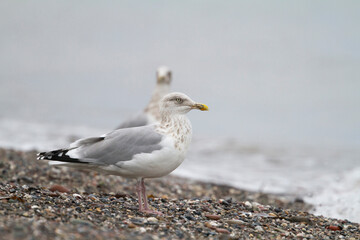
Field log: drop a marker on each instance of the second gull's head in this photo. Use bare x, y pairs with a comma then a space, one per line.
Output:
163, 75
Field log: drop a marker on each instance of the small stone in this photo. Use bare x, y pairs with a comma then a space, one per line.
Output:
213, 217
27, 196
138, 221
54, 194
189, 217
222, 230
272, 214
256, 204
262, 208
334, 227
224, 202
78, 196
120, 195
259, 229
236, 221
131, 225
26, 214
92, 197
206, 209
59, 188
248, 205
209, 225
300, 235
59, 231
152, 220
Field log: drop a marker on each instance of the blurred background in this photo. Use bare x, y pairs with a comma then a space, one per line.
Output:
281, 80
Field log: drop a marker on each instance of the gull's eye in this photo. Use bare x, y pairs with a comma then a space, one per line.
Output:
179, 100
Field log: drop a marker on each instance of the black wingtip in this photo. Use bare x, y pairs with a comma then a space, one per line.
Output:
40, 156
58, 155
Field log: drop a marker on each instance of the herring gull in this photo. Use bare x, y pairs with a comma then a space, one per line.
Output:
151, 113
150, 151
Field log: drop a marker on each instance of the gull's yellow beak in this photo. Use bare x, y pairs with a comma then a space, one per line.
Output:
200, 106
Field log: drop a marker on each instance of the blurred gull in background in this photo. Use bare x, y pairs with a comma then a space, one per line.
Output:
151, 113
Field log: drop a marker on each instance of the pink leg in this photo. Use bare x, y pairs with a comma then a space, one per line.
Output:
139, 191
142, 195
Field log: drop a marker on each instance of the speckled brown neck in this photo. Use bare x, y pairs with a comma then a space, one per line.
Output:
179, 127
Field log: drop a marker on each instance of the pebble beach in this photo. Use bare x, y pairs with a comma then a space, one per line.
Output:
42, 202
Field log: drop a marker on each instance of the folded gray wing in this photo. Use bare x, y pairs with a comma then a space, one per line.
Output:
119, 145
137, 120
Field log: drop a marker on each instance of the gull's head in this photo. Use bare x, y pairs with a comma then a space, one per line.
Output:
163, 75
179, 103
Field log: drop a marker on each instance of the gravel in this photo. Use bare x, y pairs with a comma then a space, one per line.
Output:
42, 202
